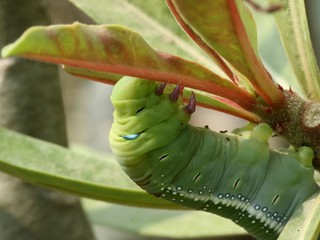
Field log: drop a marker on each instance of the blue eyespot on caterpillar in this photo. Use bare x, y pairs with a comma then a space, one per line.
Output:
234, 175
130, 136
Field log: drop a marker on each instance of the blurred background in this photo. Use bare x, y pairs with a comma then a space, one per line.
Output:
89, 111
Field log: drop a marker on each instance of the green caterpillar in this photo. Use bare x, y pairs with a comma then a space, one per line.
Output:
233, 175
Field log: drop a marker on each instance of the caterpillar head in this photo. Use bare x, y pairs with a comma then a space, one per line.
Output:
145, 116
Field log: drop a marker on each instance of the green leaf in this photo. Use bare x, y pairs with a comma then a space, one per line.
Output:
160, 223
294, 31
55, 167
99, 76
272, 52
155, 24
118, 50
226, 29
305, 222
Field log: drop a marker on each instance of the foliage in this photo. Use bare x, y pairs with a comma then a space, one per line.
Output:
226, 31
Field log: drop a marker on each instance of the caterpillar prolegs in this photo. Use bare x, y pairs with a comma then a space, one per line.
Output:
234, 175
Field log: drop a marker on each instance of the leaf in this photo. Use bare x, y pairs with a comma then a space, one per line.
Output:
226, 29
221, 104
294, 31
305, 222
98, 76
272, 52
160, 223
118, 50
55, 167
155, 24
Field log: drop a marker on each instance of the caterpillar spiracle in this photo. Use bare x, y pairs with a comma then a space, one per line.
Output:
233, 175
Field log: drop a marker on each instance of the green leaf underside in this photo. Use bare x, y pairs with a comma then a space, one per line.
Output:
160, 223
118, 50
55, 167
305, 222
294, 31
219, 27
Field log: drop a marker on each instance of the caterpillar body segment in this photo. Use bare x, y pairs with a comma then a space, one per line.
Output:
233, 175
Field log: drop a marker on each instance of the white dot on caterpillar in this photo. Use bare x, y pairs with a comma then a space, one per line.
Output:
163, 195
179, 188
162, 189
219, 207
227, 195
181, 194
162, 175
200, 192
275, 214
220, 196
256, 207
205, 209
181, 200
249, 216
207, 205
174, 193
253, 221
162, 184
196, 199
169, 188
236, 221
204, 187
190, 191
264, 209
173, 199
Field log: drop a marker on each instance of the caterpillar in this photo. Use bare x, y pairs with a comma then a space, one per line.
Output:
234, 175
